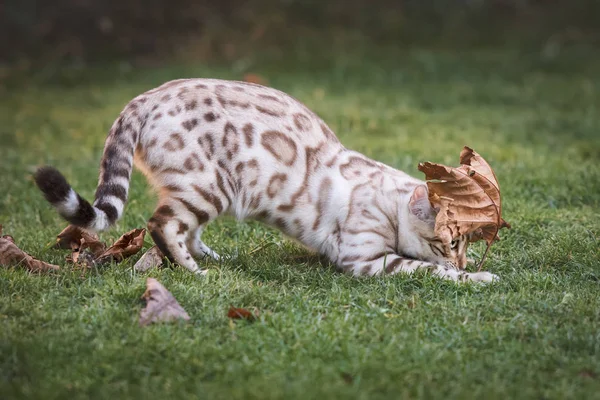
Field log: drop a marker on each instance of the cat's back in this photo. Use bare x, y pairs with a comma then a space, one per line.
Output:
220, 107
193, 128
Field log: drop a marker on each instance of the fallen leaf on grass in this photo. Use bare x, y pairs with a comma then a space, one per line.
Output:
467, 197
161, 306
11, 255
85, 246
127, 245
88, 251
73, 237
241, 313
151, 259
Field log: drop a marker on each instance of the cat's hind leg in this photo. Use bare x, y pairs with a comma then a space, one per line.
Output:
183, 212
170, 227
198, 248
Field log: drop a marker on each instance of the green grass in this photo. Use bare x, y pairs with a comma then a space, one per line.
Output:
536, 334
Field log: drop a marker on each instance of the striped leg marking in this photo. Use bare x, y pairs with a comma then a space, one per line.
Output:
170, 234
393, 264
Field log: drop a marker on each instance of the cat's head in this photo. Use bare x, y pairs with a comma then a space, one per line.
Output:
426, 244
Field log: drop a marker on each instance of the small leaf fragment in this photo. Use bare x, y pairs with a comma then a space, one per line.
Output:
151, 259
241, 313
161, 305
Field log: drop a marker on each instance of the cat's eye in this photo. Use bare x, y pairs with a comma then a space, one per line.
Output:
454, 244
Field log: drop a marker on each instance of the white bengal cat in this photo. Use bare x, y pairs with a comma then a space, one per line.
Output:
211, 147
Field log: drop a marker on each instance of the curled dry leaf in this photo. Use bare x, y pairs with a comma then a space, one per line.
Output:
87, 250
161, 306
85, 246
73, 237
151, 259
11, 255
241, 313
126, 246
467, 197
480, 171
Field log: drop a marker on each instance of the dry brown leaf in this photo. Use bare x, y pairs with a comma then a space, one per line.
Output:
467, 199
464, 207
126, 246
241, 313
88, 251
151, 259
161, 306
85, 246
478, 169
11, 255
73, 237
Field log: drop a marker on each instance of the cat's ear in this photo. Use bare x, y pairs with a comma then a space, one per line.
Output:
420, 206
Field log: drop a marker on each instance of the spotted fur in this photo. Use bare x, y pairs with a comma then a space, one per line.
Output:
211, 147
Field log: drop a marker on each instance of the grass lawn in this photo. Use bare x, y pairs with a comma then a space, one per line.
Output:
536, 334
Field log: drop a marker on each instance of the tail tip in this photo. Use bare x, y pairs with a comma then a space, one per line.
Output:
52, 183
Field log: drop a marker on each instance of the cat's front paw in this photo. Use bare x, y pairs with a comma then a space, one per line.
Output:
482, 277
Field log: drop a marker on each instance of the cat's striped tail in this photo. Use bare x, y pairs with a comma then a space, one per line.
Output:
113, 184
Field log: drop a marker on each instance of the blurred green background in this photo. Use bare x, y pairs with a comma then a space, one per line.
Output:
37, 31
